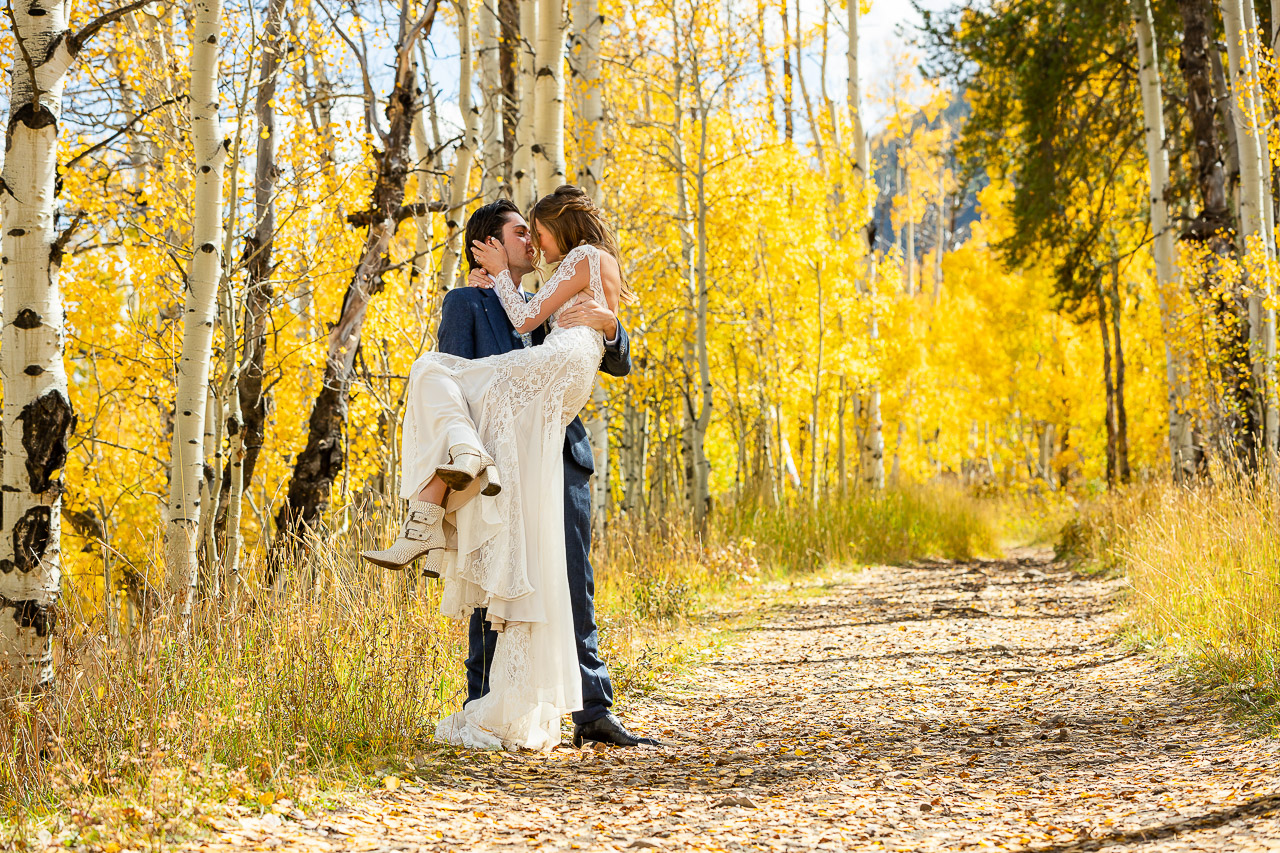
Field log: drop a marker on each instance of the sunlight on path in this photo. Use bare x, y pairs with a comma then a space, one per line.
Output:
942, 707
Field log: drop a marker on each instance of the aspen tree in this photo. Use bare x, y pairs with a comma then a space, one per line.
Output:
1255, 201
247, 435
873, 435
584, 61
788, 83
508, 62
186, 477
523, 174
427, 151
318, 465
491, 97
38, 416
1267, 310
1181, 442
459, 183
548, 109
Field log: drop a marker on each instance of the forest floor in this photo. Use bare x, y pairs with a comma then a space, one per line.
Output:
943, 706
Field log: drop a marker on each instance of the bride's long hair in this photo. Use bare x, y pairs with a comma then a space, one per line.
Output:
574, 220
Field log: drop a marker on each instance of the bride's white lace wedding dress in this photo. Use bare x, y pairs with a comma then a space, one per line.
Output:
507, 552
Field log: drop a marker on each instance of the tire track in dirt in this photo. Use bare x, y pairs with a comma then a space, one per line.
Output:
936, 707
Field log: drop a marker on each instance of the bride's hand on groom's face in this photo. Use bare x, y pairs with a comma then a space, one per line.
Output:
593, 315
490, 254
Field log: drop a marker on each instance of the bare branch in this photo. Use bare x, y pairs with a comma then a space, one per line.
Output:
427, 19
113, 137
370, 96
362, 218
77, 41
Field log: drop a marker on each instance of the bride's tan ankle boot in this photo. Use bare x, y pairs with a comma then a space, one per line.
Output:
422, 535
465, 464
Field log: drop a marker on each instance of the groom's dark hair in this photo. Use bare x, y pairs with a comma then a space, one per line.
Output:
488, 221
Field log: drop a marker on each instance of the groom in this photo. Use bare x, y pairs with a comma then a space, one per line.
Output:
473, 324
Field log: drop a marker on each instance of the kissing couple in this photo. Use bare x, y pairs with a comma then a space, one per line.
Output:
495, 467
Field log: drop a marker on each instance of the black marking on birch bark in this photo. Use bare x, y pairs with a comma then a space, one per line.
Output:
31, 538
47, 421
33, 370
36, 12
33, 117
208, 247
27, 319
8, 488
29, 613
17, 232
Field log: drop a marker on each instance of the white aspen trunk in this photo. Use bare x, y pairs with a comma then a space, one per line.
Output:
491, 97
523, 188
1253, 201
38, 418
941, 236
909, 243
427, 150
548, 111
459, 182
187, 462
1261, 122
206, 534
1255, 40
424, 224
817, 393
584, 61
224, 399
1181, 441
872, 455
702, 496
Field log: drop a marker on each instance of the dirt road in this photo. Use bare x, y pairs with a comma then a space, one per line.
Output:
938, 707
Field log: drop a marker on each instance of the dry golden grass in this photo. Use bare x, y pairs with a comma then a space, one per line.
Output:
1204, 567
343, 668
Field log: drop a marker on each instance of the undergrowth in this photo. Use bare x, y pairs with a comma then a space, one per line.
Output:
279, 694
1203, 567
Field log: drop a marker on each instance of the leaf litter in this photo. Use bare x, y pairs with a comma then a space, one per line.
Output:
897, 709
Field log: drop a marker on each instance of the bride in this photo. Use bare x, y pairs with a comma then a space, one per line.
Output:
482, 445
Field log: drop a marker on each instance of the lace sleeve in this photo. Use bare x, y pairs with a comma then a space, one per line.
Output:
521, 312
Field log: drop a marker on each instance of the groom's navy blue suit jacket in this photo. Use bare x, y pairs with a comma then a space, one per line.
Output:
473, 324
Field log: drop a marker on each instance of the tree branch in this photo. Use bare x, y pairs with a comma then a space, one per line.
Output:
77, 41
363, 218
121, 132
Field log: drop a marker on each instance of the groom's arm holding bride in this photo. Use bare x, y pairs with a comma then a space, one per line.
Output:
587, 312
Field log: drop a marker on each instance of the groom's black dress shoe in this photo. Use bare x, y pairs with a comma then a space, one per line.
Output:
609, 729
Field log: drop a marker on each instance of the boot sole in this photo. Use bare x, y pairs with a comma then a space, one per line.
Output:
388, 564
456, 480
